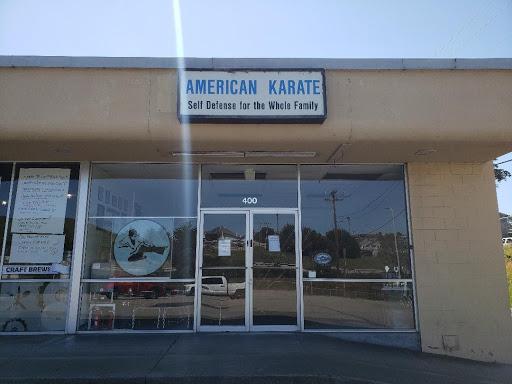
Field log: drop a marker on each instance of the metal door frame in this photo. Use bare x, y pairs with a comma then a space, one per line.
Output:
248, 327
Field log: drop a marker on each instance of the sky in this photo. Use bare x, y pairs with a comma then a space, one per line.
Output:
263, 28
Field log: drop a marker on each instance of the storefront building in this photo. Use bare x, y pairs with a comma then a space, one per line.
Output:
354, 198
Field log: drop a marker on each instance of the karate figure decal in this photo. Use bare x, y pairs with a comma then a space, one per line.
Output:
141, 247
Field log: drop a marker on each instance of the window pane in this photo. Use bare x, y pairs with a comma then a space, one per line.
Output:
354, 222
126, 247
249, 186
42, 221
142, 221
331, 305
135, 190
33, 307
136, 306
5, 186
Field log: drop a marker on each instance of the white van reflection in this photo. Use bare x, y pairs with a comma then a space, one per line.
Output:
218, 286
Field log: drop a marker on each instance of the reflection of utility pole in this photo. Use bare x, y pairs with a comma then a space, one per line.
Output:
333, 199
396, 243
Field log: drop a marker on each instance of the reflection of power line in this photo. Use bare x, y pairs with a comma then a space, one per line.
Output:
351, 214
333, 199
386, 223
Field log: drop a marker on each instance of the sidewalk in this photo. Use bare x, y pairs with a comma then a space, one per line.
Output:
228, 358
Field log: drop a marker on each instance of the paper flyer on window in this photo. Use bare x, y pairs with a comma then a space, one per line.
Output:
41, 199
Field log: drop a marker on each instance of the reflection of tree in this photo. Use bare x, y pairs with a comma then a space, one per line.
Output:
314, 242
184, 250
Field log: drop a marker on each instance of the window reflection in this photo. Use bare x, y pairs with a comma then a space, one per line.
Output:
136, 306
331, 305
249, 186
354, 222
33, 307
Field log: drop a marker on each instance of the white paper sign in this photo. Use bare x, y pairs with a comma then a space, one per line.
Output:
224, 246
41, 199
37, 248
273, 243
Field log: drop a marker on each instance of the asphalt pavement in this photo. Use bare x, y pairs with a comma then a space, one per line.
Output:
187, 358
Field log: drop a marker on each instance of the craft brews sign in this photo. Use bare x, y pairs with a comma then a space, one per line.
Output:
252, 96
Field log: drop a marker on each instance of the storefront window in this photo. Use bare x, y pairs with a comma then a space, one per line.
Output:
249, 186
38, 238
354, 226
338, 305
142, 224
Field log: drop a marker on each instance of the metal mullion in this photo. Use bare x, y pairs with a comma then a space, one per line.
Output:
7, 218
299, 251
324, 280
199, 247
137, 280
78, 247
411, 247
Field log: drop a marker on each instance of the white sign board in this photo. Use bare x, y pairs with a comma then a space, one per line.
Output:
252, 96
224, 247
41, 199
29, 270
36, 248
273, 243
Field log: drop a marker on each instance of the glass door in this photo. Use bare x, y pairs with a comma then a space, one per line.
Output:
274, 269
223, 276
248, 272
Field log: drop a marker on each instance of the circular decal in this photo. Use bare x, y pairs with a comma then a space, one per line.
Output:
141, 247
322, 258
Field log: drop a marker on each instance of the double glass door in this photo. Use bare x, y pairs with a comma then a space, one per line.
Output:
248, 272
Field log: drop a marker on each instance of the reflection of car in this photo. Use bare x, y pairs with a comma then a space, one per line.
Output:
140, 289
218, 286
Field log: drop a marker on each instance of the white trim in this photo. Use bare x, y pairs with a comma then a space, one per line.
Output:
36, 281
78, 247
411, 247
275, 328
141, 217
299, 250
138, 279
7, 217
223, 328
199, 241
335, 280
361, 330
125, 331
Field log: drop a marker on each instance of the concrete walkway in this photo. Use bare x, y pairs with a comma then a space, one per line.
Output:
228, 358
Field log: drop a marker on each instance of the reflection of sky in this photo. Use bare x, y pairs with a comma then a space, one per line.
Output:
365, 202
155, 197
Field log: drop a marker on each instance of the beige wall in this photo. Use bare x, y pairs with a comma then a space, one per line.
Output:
378, 116
460, 273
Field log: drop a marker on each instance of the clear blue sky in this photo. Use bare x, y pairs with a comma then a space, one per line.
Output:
262, 28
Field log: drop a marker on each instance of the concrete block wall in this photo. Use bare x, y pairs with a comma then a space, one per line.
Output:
460, 271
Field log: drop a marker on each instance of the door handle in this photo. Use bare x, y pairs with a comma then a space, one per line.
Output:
251, 243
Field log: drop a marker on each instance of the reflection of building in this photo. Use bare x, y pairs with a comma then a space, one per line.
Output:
369, 244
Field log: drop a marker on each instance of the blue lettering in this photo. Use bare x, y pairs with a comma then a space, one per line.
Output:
252, 87
316, 87
243, 88
308, 86
190, 87
232, 87
200, 86
220, 87
300, 88
272, 87
211, 84
282, 88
